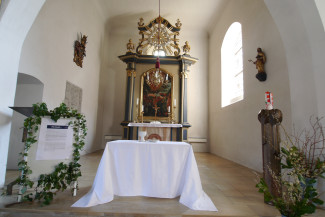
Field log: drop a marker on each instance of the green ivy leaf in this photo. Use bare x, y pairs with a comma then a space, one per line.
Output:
63, 174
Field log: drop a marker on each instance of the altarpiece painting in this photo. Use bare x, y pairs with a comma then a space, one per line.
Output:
156, 94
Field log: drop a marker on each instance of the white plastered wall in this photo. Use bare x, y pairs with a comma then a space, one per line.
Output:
321, 9
234, 131
48, 51
15, 23
304, 42
197, 88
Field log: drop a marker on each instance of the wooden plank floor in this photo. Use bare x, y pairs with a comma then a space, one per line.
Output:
230, 186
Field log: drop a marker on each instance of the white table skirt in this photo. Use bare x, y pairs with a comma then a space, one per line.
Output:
162, 169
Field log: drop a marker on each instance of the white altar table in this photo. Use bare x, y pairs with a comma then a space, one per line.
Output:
154, 169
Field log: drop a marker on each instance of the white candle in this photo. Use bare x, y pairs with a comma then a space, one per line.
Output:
168, 108
167, 77
137, 101
269, 100
175, 102
143, 108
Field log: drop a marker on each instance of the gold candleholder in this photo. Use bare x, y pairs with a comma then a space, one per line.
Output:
142, 116
136, 117
173, 115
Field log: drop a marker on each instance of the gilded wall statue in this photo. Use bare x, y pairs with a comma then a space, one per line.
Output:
260, 61
80, 50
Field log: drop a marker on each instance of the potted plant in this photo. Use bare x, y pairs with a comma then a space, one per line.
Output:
302, 162
303, 153
294, 200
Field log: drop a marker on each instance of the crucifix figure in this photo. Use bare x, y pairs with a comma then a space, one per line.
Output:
156, 110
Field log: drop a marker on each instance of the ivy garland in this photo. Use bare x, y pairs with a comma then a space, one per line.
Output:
64, 174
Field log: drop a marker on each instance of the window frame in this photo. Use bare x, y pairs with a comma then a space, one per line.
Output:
232, 66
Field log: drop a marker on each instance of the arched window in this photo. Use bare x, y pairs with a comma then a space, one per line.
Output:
232, 66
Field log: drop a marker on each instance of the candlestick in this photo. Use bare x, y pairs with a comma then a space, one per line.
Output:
142, 117
169, 117
136, 116
173, 116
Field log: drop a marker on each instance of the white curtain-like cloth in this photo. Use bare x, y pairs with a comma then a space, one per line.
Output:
162, 169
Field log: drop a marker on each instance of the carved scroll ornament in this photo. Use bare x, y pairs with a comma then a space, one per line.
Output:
80, 50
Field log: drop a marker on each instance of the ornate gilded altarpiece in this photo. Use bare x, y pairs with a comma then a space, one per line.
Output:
157, 94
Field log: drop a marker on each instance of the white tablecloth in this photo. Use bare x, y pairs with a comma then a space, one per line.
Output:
162, 169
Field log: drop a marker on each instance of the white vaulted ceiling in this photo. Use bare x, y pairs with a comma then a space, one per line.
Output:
195, 14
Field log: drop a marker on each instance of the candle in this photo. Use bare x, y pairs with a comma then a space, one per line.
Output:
143, 108
167, 77
175, 102
269, 100
168, 108
137, 101
148, 76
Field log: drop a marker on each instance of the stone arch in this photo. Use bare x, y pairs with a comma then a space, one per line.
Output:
17, 16
29, 90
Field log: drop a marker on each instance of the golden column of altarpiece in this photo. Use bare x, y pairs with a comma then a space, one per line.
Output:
157, 95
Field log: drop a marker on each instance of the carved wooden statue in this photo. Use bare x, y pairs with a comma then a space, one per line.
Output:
130, 46
260, 61
80, 50
186, 47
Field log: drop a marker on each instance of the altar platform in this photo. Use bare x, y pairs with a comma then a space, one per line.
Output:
230, 186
